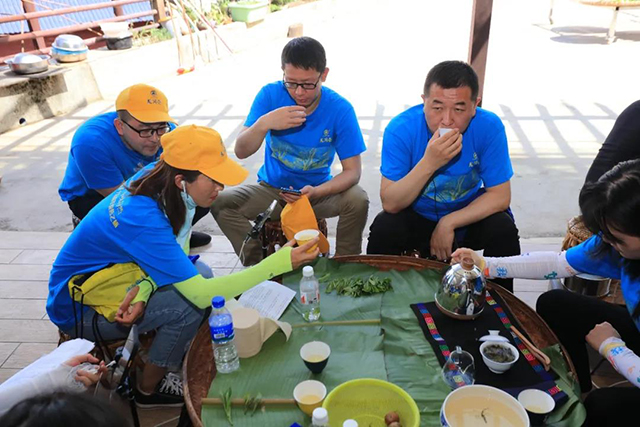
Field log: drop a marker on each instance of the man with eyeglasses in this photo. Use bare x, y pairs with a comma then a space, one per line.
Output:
304, 125
110, 148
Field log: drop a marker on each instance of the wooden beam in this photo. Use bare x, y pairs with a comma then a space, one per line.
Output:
479, 39
73, 28
34, 24
118, 10
64, 11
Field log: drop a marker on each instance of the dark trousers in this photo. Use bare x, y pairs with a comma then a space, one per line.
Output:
80, 206
395, 234
612, 407
572, 316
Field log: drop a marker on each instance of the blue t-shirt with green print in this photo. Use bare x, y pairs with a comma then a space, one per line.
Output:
483, 162
303, 155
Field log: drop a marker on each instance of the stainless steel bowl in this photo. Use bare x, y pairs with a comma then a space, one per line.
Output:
66, 56
69, 42
588, 284
27, 63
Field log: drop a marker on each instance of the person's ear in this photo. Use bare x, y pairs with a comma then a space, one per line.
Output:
179, 180
478, 101
117, 123
324, 74
424, 97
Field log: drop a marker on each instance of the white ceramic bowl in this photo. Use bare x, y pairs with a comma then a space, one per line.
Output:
499, 367
482, 405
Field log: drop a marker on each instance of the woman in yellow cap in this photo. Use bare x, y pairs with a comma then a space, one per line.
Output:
136, 241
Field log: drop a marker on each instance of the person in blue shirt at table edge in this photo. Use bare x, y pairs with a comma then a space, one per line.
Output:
304, 124
110, 148
611, 211
446, 174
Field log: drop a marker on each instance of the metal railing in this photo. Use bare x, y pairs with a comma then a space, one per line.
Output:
37, 35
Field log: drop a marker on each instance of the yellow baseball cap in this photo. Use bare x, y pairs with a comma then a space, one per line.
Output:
145, 103
199, 148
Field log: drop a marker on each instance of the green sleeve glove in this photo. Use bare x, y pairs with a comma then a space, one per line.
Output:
199, 290
147, 287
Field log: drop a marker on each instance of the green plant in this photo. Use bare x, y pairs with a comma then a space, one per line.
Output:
150, 36
219, 12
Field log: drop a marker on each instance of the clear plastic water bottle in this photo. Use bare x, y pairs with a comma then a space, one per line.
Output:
221, 326
309, 295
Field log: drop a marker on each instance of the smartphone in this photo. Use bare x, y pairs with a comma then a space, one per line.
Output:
290, 190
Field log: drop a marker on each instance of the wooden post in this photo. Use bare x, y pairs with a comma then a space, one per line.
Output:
34, 24
161, 15
479, 41
118, 10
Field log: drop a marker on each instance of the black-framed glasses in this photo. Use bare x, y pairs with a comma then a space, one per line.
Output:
305, 86
148, 133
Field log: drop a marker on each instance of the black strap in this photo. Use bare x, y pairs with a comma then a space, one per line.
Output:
98, 338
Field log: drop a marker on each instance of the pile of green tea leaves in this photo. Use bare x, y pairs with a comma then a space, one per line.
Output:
357, 286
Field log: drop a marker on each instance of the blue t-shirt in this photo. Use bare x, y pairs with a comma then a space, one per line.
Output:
99, 159
610, 264
483, 162
121, 228
303, 155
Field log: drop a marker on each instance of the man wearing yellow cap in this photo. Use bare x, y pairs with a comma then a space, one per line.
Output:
109, 148
146, 224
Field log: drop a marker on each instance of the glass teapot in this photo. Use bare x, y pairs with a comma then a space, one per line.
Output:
459, 369
462, 291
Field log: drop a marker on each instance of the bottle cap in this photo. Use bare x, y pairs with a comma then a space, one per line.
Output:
217, 301
350, 423
320, 416
307, 271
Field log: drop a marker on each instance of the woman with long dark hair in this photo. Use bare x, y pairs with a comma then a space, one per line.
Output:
611, 211
135, 242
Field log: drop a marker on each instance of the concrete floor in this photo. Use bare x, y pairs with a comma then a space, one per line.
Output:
558, 89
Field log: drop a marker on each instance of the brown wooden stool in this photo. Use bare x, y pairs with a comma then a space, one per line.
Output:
578, 233
272, 235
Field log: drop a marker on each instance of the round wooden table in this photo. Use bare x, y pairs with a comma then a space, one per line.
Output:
199, 367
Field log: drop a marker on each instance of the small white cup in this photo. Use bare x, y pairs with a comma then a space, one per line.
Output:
537, 403
499, 367
306, 390
444, 131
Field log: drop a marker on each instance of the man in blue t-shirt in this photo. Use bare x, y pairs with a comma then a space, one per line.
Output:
445, 174
304, 125
109, 148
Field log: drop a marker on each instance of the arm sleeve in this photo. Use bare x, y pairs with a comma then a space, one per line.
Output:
349, 140
96, 166
535, 265
625, 361
58, 379
147, 287
199, 290
495, 163
396, 157
261, 106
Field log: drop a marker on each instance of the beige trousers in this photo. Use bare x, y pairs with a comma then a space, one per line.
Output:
235, 207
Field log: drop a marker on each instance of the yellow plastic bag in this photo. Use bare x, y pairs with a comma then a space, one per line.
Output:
105, 289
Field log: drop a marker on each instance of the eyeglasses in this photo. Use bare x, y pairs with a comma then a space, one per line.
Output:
148, 133
305, 86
